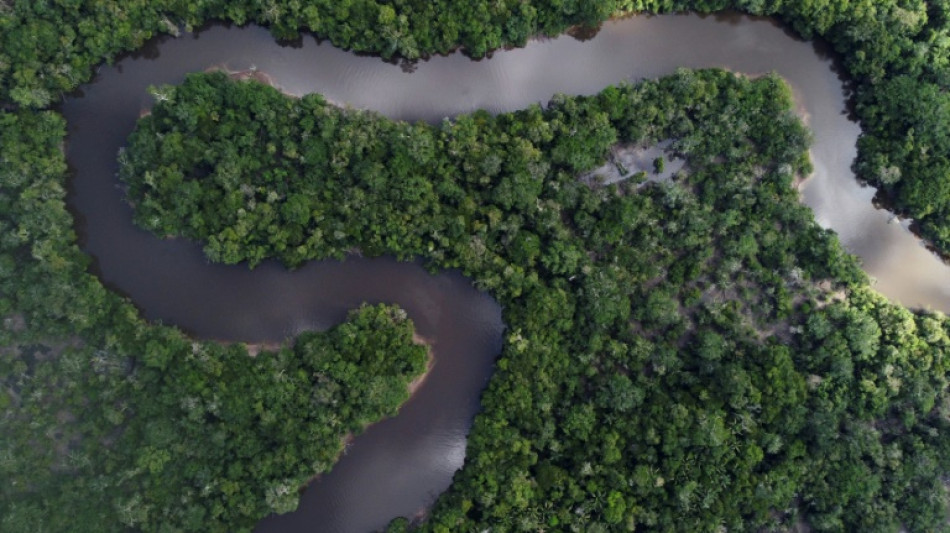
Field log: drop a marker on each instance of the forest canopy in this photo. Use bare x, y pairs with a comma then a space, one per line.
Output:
897, 53
683, 356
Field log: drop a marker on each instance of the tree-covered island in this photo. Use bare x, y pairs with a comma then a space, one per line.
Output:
688, 356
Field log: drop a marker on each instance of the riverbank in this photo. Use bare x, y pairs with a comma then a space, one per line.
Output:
420, 380
262, 77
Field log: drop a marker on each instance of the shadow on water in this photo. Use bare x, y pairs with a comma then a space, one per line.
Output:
825, 51
584, 33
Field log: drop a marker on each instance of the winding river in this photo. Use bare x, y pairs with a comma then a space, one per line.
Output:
400, 465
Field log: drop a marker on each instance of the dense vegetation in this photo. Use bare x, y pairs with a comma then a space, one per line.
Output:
110, 423
680, 356
896, 51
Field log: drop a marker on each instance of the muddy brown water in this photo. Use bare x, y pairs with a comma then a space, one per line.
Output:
400, 465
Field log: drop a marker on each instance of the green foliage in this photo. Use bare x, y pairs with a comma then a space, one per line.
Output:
692, 356
110, 423
47, 48
681, 356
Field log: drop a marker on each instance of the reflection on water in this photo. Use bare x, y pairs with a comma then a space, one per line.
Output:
401, 464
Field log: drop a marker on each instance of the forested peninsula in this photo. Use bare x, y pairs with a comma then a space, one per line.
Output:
681, 355
897, 53
689, 355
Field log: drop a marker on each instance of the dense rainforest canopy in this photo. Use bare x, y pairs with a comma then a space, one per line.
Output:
681, 355
686, 356
897, 52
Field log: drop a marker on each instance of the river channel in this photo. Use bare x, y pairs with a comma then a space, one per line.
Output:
400, 465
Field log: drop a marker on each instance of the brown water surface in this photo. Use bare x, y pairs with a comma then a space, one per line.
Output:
400, 465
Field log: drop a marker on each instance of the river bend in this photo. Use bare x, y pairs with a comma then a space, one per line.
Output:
400, 465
